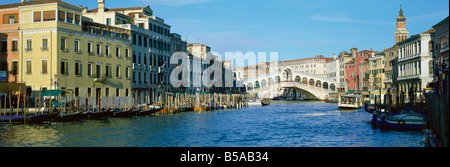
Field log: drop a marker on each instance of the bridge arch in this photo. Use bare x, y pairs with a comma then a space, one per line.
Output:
318, 83
257, 86
249, 86
287, 74
305, 80
325, 85
263, 83
270, 81
332, 87
311, 82
298, 79
277, 79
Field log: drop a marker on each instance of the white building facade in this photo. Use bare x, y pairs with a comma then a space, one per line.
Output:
415, 62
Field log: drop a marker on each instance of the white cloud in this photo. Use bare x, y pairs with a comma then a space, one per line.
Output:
175, 2
435, 14
342, 19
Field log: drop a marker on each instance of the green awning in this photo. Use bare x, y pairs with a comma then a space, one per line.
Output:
52, 93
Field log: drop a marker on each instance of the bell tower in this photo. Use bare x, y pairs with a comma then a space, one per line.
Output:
401, 33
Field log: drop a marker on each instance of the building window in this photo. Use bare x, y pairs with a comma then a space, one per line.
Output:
117, 51
77, 19
99, 70
61, 16
77, 69
76, 46
29, 45
127, 72
49, 15
44, 44
127, 53
63, 44
89, 47
69, 17
28, 67
99, 49
10, 18
108, 21
108, 70
64, 67
44, 66
107, 50
89, 70
14, 46
117, 71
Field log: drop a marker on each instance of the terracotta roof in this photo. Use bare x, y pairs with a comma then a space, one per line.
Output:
430, 31
35, 2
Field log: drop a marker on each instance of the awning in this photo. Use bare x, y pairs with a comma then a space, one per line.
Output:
52, 93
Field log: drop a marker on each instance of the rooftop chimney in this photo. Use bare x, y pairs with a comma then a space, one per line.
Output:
101, 5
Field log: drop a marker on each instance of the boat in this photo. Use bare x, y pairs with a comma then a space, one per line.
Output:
122, 113
405, 120
350, 101
72, 116
148, 111
96, 114
32, 118
256, 102
265, 102
376, 99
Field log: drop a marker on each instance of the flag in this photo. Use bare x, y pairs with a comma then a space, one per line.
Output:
164, 64
115, 33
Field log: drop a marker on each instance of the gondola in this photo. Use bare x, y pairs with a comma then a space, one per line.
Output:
95, 114
33, 118
265, 102
149, 111
67, 117
122, 113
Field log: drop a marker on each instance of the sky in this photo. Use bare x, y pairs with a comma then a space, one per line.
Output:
294, 28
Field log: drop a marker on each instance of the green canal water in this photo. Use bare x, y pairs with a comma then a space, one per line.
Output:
281, 124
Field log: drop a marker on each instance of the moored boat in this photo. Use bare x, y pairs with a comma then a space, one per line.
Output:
405, 120
72, 116
265, 102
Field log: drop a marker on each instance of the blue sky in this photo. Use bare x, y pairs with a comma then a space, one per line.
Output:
293, 28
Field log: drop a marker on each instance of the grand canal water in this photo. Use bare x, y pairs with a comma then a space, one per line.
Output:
281, 124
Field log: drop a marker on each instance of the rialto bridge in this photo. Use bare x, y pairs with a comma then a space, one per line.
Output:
290, 84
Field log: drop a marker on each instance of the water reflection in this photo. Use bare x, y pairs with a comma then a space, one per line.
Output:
29, 135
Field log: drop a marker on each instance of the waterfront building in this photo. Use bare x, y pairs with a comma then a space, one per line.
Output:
440, 55
390, 55
350, 75
415, 63
314, 65
150, 45
376, 72
364, 73
198, 52
344, 57
61, 49
356, 69
9, 38
332, 68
